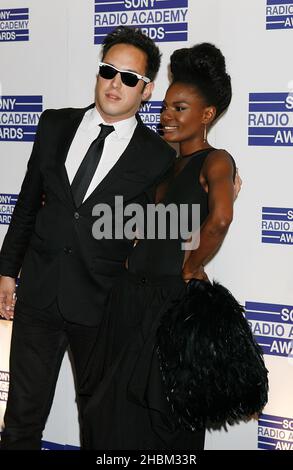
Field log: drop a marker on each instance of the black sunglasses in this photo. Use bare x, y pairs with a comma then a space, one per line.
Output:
128, 78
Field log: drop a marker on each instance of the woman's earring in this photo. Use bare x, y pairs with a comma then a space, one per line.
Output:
205, 133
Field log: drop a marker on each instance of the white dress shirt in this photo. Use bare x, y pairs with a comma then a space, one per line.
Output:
115, 144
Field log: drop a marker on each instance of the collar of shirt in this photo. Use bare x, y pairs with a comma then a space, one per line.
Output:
123, 129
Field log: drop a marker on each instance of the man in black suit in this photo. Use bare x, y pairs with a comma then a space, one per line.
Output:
66, 273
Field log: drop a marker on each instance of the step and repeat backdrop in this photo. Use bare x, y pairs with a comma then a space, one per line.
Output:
49, 52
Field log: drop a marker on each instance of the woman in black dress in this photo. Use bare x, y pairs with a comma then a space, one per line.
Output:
128, 409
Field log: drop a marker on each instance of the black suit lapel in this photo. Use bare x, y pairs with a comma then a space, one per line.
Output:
128, 176
67, 132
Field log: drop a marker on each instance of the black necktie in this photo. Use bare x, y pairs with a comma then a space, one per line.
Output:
88, 166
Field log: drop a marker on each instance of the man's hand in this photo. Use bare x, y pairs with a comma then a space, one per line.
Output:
7, 297
237, 184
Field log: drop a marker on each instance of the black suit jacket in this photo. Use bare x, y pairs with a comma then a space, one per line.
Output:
53, 243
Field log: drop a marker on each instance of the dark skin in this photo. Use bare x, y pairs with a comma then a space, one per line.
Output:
184, 118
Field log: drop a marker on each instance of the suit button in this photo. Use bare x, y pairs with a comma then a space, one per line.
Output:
76, 215
67, 250
143, 280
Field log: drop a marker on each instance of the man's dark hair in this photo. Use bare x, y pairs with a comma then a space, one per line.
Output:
136, 38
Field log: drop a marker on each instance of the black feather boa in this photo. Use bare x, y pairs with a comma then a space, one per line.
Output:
212, 368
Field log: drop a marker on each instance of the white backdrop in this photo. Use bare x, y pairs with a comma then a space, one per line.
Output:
52, 63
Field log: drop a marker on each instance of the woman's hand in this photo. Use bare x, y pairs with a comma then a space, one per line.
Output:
197, 274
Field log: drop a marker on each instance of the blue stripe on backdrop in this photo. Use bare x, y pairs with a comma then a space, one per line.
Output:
279, 2
102, 6
277, 210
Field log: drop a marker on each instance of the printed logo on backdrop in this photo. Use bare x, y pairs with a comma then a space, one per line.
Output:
277, 225
270, 119
7, 205
272, 326
150, 113
275, 432
19, 117
4, 385
14, 24
279, 14
161, 20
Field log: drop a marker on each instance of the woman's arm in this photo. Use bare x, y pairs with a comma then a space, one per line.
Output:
217, 179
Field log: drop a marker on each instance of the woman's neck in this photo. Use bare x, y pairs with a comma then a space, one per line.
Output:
187, 148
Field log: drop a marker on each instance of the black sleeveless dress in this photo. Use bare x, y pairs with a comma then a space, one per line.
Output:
128, 409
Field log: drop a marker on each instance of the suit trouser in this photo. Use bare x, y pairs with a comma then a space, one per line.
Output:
39, 341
